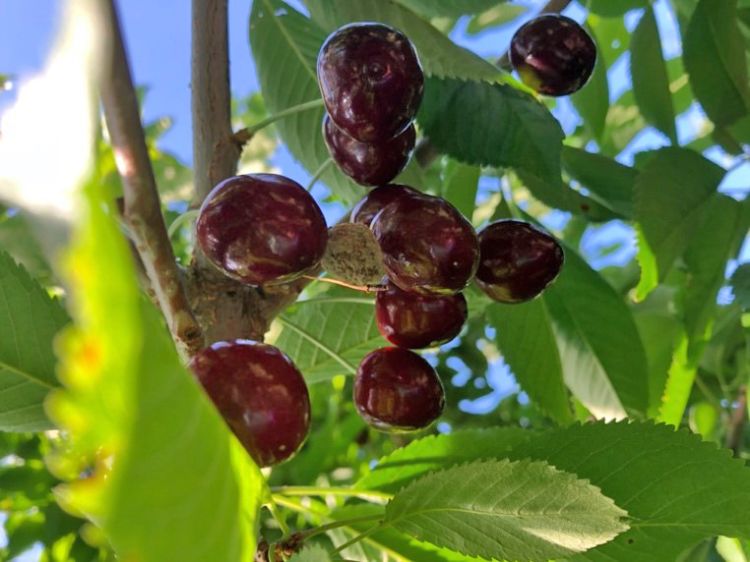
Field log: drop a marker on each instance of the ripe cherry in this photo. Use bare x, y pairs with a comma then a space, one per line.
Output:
371, 80
372, 203
416, 321
261, 229
517, 261
553, 55
428, 246
397, 390
369, 163
261, 395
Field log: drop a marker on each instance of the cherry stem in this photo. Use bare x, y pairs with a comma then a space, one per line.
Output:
359, 537
247, 133
182, 219
322, 170
279, 517
361, 288
315, 491
337, 524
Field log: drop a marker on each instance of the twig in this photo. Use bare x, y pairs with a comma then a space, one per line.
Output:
737, 422
551, 7
142, 208
215, 150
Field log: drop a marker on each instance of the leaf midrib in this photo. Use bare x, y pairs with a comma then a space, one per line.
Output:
29, 376
292, 44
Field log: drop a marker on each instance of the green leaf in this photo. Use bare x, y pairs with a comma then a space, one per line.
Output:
714, 54
527, 342
680, 378
615, 8
609, 181
592, 101
507, 511
492, 125
29, 321
130, 400
655, 473
741, 285
649, 75
659, 334
495, 17
706, 259
671, 196
440, 57
17, 239
435, 452
312, 553
449, 8
603, 359
285, 46
329, 336
460, 183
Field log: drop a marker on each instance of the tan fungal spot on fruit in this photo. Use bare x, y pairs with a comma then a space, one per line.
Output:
353, 255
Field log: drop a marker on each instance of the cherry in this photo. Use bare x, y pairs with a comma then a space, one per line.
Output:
415, 321
369, 163
261, 395
553, 55
371, 80
372, 203
428, 246
517, 261
397, 390
261, 229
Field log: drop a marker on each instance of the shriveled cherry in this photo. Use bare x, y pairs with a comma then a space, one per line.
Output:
371, 80
428, 246
374, 202
517, 261
369, 163
416, 321
397, 390
261, 229
553, 55
261, 395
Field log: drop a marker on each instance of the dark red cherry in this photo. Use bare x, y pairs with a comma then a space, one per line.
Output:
371, 80
553, 55
397, 390
374, 202
517, 261
261, 395
369, 163
261, 229
416, 321
428, 246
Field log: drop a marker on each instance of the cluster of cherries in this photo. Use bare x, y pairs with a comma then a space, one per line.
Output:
265, 229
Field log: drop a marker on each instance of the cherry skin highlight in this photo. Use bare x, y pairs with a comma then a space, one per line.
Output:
261, 229
517, 261
397, 390
371, 80
374, 202
553, 55
369, 163
428, 246
417, 321
261, 395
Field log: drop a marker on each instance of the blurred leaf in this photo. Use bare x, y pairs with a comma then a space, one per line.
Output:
17, 239
285, 44
492, 124
312, 553
671, 196
715, 59
704, 419
153, 449
329, 336
615, 8
741, 285
613, 38
29, 320
527, 342
680, 378
610, 182
494, 17
592, 101
539, 511
449, 8
649, 75
604, 363
440, 57
460, 185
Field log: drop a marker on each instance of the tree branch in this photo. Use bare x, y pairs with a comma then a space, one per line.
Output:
142, 208
215, 150
551, 7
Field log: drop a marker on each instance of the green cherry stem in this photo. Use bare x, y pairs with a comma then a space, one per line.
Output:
246, 134
322, 170
279, 517
315, 491
359, 537
179, 221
